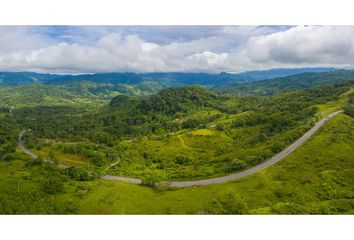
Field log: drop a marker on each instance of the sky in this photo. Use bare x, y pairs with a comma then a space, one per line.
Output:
91, 49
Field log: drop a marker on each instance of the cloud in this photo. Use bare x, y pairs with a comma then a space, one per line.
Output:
113, 52
299, 46
149, 49
13, 39
207, 58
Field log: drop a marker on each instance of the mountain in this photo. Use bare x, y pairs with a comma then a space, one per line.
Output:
19, 78
298, 81
167, 79
280, 72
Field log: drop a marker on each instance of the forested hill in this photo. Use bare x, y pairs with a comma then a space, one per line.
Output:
19, 78
173, 100
164, 79
298, 81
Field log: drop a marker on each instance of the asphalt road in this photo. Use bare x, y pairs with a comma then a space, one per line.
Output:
276, 158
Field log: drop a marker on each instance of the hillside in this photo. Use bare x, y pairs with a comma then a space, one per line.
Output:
183, 99
316, 179
178, 133
298, 81
165, 79
23, 88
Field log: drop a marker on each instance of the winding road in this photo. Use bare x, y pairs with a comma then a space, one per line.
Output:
276, 158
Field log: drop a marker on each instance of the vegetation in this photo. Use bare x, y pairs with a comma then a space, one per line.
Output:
177, 133
167, 79
316, 179
299, 81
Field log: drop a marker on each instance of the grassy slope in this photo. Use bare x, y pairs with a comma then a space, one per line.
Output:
317, 178
332, 106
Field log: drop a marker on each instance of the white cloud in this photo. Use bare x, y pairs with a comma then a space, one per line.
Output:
299, 46
208, 58
113, 52
229, 49
14, 39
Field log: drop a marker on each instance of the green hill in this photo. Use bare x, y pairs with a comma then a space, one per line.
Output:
299, 81
173, 100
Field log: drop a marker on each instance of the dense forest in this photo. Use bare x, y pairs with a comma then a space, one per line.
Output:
165, 79
298, 81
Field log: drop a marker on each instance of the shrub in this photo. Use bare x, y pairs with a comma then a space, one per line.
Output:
77, 174
235, 165
8, 157
34, 162
230, 203
277, 147
183, 160
191, 123
150, 180
53, 185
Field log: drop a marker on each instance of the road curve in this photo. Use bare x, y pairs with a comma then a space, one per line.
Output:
31, 154
276, 158
106, 177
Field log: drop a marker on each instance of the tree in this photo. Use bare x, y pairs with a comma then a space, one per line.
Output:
235, 165
183, 159
53, 185
277, 147
229, 203
77, 174
150, 180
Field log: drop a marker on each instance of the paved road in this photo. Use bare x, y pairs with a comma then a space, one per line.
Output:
106, 177
31, 154
276, 158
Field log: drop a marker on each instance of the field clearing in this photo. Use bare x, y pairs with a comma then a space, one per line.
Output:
70, 159
332, 106
203, 132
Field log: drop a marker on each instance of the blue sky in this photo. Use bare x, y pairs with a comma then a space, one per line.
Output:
78, 49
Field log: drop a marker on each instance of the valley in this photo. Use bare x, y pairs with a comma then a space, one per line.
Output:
263, 146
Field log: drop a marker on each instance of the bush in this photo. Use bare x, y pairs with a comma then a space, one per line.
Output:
183, 160
150, 180
235, 165
34, 162
53, 185
229, 203
77, 174
191, 123
8, 157
277, 147
349, 110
